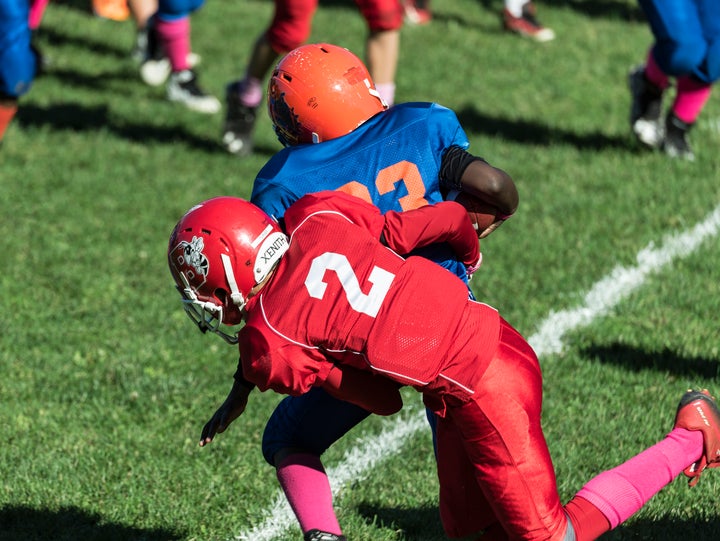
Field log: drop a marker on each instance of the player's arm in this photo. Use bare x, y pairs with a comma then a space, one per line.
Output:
233, 406
446, 221
374, 393
461, 170
288, 368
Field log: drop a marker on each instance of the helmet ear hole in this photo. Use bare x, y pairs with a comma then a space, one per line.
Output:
231, 314
221, 295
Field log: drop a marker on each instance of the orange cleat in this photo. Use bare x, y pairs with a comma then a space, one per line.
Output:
699, 411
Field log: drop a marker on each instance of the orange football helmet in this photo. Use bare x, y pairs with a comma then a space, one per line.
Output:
219, 251
319, 92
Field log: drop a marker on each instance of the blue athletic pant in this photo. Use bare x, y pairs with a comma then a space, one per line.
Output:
687, 36
18, 62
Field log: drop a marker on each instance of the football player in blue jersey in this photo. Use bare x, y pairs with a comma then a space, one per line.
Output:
340, 135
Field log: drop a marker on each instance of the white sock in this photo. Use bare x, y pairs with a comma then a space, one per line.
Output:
387, 92
515, 7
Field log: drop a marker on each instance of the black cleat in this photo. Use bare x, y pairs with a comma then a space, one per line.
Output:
239, 123
645, 108
675, 143
319, 535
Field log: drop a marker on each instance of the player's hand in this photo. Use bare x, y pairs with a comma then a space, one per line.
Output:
231, 409
472, 269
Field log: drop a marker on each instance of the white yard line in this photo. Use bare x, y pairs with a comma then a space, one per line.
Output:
601, 298
620, 283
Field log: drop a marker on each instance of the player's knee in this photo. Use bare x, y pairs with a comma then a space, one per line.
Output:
285, 40
271, 445
18, 67
383, 21
382, 15
713, 62
684, 57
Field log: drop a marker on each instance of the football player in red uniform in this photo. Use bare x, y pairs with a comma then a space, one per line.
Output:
335, 306
396, 158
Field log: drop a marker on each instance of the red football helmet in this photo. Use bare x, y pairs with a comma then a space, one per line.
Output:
218, 252
319, 92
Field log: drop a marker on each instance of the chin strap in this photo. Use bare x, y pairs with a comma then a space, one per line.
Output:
235, 295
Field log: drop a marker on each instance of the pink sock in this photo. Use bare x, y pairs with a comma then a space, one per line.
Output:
306, 486
620, 492
251, 91
654, 74
175, 38
692, 95
37, 8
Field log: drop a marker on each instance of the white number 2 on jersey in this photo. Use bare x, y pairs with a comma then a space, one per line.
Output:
360, 302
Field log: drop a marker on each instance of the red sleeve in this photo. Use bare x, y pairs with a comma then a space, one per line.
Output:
284, 368
446, 221
374, 393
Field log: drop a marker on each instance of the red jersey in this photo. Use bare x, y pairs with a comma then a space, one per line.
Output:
341, 296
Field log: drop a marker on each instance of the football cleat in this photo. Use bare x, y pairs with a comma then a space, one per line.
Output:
675, 143
319, 535
699, 411
183, 88
645, 108
154, 72
417, 12
527, 24
239, 123
155, 66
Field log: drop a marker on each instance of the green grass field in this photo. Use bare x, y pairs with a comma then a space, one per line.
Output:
105, 385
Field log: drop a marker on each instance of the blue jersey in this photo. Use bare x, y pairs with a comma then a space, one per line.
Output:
392, 161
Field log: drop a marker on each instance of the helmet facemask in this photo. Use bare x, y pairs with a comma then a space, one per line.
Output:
207, 315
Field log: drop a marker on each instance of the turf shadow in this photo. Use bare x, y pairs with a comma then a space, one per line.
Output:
21, 523
535, 133
51, 38
418, 523
666, 360
82, 118
666, 528
100, 81
423, 524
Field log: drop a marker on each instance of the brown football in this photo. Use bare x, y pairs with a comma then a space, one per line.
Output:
482, 214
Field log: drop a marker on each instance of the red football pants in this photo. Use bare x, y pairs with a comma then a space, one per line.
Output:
292, 21
493, 462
